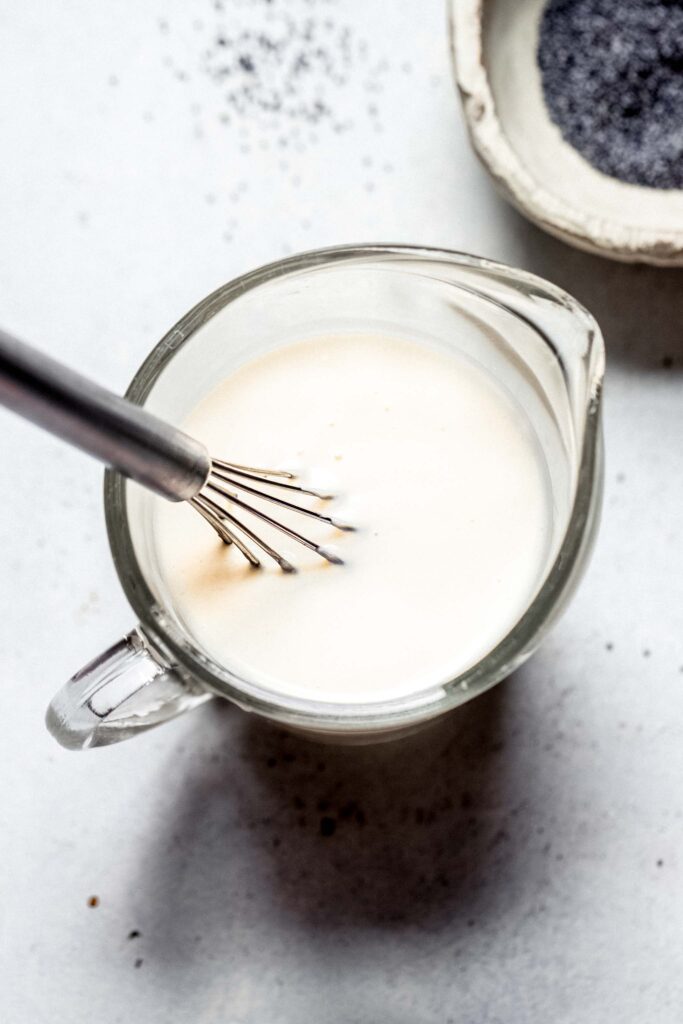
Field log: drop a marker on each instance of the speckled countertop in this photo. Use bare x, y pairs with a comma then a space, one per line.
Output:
522, 863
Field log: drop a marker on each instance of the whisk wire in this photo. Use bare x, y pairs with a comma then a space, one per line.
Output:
272, 497
232, 529
311, 545
228, 474
257, 473
216, 517
260, 542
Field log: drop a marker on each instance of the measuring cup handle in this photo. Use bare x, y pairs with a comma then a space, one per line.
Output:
124, 691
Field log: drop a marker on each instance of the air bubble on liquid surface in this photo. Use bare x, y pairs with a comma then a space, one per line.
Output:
333, 553
348, 513
290, 462
325, 484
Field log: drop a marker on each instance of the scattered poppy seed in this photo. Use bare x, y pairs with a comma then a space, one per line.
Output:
281, 66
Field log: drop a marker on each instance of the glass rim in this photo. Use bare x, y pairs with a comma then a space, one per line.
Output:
508, 653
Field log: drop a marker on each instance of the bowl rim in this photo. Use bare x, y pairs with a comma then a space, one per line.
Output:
587, 231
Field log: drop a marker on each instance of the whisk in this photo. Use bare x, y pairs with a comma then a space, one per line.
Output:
157, 455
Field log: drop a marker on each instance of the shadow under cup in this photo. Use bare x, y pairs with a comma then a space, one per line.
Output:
540, 345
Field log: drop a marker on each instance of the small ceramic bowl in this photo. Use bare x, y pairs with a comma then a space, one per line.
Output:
494, 46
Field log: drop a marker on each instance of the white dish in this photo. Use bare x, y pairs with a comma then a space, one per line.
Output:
494, 50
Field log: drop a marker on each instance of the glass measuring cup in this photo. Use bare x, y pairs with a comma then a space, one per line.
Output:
535, 339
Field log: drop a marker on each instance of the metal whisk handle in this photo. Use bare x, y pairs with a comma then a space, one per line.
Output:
100, 423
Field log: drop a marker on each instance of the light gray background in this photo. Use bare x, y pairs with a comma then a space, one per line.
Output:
521, 864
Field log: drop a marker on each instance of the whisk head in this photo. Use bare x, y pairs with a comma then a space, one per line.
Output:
228, 497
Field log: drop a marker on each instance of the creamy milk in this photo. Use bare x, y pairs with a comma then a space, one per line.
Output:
441, 474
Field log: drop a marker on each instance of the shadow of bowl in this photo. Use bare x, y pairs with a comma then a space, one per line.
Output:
639, 308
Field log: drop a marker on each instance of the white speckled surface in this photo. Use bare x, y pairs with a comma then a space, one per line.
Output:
522, 864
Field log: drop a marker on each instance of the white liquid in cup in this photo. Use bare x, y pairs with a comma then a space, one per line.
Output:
441, 473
